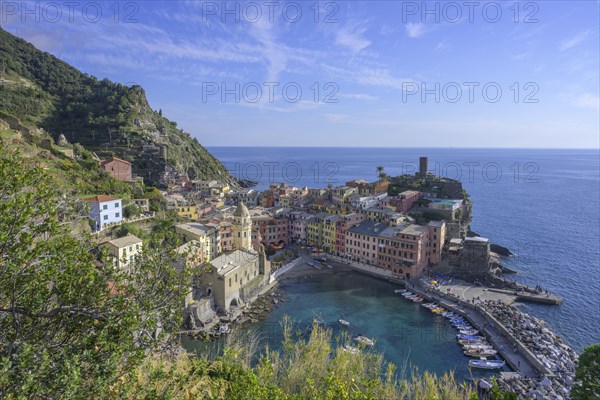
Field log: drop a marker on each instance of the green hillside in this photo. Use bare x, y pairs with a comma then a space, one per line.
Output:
105, 117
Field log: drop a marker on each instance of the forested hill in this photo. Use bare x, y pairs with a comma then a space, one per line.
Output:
106, 117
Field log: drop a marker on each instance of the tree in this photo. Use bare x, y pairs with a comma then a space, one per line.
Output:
131, 210
70, 323
587, 375
381, 175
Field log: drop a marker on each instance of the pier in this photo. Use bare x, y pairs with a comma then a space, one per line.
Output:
516, 355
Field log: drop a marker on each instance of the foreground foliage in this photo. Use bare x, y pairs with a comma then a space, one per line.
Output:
70, 323
315, 368
587, 375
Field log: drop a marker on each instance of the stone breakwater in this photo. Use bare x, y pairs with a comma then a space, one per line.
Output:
547, 347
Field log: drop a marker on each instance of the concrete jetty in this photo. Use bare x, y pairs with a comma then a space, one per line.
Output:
547, 374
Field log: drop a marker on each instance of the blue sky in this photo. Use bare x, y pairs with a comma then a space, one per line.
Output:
388, 73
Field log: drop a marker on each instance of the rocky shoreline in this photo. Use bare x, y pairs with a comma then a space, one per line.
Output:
547, 347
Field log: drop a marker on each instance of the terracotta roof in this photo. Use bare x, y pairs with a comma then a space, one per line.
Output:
99, 199
114, 159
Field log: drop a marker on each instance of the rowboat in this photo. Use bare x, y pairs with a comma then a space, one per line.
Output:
350, 349
364, 340
470, 341
480, 353
469, 337
344, 322
478, 346
486, 364
471, 332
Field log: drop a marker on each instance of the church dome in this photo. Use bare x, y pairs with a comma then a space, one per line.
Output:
241, 211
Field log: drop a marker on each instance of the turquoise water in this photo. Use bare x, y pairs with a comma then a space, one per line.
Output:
543, 204
406, 333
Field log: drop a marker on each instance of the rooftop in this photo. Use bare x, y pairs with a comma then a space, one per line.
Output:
99, 199
227, 263
369, 228
195, 228
125, 241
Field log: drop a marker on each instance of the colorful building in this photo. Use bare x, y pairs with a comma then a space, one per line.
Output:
124, 251
104, 210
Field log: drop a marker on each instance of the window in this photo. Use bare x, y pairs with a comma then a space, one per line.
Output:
117, 205
117, 215
105, 207
229, 282
105, 217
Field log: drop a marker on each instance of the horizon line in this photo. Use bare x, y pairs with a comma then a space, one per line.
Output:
409, 147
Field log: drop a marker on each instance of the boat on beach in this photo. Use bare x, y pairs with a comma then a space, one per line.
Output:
344, 322
364, 340
486, 364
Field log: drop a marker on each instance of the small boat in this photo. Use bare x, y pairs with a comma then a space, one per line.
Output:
471, 332
417, 299
364, 340
469, 337
473, 341
480, 353
478, 346
399, 291
438, 310
344, 322
350, 349
486, 364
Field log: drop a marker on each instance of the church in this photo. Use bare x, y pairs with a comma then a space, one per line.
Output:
235, 278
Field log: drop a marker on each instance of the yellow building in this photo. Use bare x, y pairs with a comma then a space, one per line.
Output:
206, 234
124, 251
188, 212
329, 233
314, 230
335, 210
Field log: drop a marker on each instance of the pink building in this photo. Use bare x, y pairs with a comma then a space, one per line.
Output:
404, 250
342, 225
362, 242
226, 233
437, 238
406, 200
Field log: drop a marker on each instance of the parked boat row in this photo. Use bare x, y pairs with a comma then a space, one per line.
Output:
473, 344
407, 294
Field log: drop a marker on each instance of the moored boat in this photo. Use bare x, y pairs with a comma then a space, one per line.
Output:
364, 340
471, 332
486, 364
344, 322
469, 337
480, 353
350, 349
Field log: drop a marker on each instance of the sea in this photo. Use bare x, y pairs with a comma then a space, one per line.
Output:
543, 204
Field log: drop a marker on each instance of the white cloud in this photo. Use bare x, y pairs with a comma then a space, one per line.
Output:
588, 100
359, 96
352, 38
573, 41
416, 29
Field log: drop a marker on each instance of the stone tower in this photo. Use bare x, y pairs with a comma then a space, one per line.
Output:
242, 228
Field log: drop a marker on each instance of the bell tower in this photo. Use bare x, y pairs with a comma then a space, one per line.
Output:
242, 228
